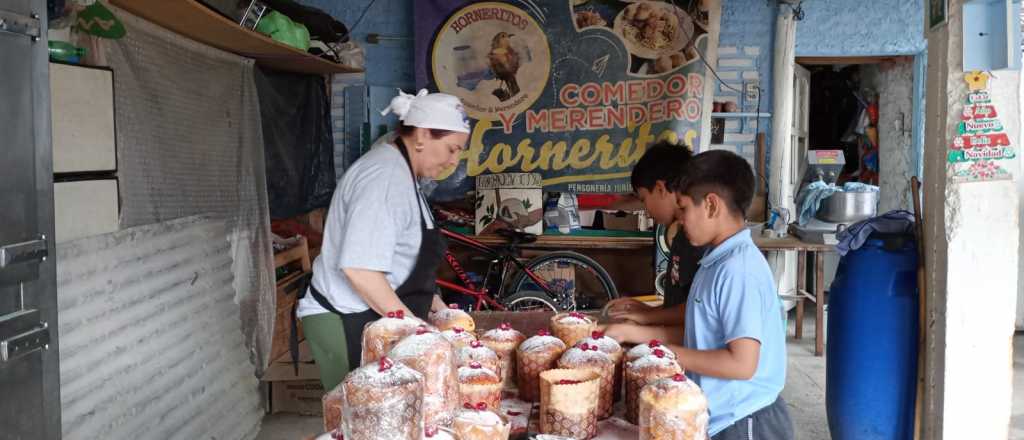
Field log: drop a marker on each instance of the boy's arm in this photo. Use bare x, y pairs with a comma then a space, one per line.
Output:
738, 361
641, 334
671, 316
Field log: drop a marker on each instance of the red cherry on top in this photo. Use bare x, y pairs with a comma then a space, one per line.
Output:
568, 382
597, 334
391, 314
337, 435
430, 431
422, 330
457, 330
476, 344
453, 307
679, 377
505, 326
475, 365
513, 413
385, 364
467, 405
659, 353
577, 315
543, 332
482, 406
400, 314
584, 346
654, 343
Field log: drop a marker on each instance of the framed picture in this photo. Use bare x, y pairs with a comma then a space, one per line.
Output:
936, 13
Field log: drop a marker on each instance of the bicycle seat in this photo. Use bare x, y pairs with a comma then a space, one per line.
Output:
516, 237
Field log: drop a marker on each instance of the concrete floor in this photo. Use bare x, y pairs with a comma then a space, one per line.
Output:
804, 393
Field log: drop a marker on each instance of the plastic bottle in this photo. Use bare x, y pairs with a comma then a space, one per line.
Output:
65, 52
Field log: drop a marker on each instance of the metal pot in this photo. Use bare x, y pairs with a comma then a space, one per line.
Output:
848, 207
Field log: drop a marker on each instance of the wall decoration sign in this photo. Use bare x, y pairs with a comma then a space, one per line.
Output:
572, 90
980, 142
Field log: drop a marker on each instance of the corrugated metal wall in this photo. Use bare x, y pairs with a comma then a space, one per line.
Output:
151, 340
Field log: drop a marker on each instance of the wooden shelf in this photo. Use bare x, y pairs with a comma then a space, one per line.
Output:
194, 20
575, 242
740, 115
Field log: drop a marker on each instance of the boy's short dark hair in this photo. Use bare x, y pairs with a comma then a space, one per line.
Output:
721, 172
662, 161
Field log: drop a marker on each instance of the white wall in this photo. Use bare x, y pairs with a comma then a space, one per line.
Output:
972, 255
151, 340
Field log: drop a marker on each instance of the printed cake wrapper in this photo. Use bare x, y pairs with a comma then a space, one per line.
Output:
489, 394
375, 414
569, 409
507, 355
672, 424
634, 383
528, 370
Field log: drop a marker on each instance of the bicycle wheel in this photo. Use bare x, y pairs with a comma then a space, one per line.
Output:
576, 281
530, 301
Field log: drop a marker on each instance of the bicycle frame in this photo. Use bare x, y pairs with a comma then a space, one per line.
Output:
481, 294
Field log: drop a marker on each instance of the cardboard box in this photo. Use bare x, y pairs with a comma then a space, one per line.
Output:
509, 201
282, 369
297, 397
621, 221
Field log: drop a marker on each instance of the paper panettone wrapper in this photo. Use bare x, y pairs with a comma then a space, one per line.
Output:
571, 334
618, 357
570, 409
469, 431
395, 413
528, 369
487, 393
635, 382
606, 394
507, 359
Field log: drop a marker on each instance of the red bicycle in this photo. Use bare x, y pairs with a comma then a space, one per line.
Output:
559, 281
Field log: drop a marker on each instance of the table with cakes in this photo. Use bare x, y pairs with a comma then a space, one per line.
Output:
447, 379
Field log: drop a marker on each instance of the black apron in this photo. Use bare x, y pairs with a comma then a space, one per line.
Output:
684, 260
417, 292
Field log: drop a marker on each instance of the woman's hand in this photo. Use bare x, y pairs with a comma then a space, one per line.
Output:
438, 304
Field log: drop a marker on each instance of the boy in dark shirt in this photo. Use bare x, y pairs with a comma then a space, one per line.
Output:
660, 165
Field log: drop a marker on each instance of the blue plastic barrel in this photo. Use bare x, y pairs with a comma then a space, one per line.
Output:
871, 364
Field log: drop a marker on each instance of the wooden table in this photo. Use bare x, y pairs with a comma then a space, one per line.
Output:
791, 243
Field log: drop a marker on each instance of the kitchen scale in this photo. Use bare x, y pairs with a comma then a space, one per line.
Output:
824, 165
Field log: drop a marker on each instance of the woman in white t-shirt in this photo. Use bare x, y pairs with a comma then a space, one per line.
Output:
381, 248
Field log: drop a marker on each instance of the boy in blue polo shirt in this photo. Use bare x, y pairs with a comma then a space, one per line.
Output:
734, 344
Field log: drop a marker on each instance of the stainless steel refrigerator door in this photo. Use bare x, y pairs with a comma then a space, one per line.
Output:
29, 374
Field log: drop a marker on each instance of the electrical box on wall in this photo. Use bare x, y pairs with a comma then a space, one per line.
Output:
991, 35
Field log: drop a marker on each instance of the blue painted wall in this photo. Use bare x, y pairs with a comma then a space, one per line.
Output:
390, 62
751, 23
860, 28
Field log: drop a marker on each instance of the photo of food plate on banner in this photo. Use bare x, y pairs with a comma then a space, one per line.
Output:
573, 90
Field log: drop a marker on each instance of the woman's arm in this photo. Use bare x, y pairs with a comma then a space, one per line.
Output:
373, 287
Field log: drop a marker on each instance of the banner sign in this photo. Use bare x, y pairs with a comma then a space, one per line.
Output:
572, 90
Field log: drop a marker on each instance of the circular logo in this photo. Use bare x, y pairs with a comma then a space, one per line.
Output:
493, 56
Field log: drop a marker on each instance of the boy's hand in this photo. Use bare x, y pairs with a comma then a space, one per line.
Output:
624, 305
620, 332
629, 318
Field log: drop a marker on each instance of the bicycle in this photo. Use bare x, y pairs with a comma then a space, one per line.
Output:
522, 286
